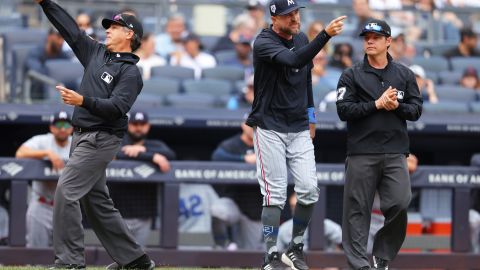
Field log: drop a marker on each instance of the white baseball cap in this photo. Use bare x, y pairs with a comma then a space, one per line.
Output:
418, 71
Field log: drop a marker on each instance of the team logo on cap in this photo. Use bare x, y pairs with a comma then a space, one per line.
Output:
290, 2
273, 8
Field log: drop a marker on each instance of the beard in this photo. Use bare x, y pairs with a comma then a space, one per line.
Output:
289, 31
137, 137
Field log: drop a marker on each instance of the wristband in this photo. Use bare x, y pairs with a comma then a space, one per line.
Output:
312, 118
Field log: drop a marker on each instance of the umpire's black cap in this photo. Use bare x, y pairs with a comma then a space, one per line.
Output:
376, 26
129, 21
282, 7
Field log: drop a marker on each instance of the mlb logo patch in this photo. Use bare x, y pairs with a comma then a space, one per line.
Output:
107, 77
400, 94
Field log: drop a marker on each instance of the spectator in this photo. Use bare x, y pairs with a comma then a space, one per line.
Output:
426, 86
467, 45
243, 25
342, 57
314, 29
247, 198
321, 75
193, 56
243, 59
257, 12
38, 56
84, 23
136, 202
332, 231
148, 58
245, 99
171, 41
470, 78
55, 147
364, 14
399, 49
128, 11
385, 4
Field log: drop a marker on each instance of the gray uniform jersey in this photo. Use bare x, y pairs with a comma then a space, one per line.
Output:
46, 142
40, 214
196, 201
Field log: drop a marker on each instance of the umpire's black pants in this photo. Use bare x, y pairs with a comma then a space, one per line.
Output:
387, 173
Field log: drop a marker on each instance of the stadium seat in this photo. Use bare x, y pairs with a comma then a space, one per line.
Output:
455, 93
19, 55
433, 76
65, 71
440, 48
174, 72
223, 56
449, 77
161, 86
191, 100
229, 73
461, 63
448, 107
475, 107
208, 42
213, 87
12, 37
434, 63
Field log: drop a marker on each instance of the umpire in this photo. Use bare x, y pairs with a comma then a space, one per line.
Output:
376, 96
283, 102
108, 89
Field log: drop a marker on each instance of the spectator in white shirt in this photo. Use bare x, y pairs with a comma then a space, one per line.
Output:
193, 56
148, 58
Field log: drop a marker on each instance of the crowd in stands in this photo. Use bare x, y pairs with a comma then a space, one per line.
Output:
235, 221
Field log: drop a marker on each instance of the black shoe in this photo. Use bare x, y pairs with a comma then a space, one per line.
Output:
66, 266
294, 258
379, 263
272, 262
143, 263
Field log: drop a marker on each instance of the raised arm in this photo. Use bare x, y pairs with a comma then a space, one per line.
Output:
82, 45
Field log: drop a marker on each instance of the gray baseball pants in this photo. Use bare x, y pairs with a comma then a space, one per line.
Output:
365, 174
277, 153
83, 182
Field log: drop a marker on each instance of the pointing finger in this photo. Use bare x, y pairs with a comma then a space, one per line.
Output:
341, 18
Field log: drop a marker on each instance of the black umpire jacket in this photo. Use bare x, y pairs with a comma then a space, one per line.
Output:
111, 81
372, 131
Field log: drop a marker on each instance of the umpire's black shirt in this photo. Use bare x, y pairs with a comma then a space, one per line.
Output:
111, 81
372, 131
283, 80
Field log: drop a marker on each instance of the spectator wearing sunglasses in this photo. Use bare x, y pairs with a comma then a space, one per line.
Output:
54, 147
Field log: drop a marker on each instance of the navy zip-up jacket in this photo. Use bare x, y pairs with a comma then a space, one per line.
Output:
111, 80
372, 131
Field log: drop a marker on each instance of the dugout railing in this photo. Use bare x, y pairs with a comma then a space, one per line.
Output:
19, 171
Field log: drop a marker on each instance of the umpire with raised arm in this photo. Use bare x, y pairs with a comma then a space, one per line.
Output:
108, 89
376, 97
281, 114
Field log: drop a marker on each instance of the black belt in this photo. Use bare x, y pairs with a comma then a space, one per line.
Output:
94, 129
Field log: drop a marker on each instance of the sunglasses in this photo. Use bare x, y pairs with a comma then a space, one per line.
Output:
375, 27
62, 124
